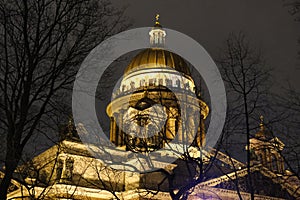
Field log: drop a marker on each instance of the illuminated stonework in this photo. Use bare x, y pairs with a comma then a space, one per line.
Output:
266, 149
151, 79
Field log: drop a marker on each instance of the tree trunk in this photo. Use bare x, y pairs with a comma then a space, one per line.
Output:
11, 163
250, 185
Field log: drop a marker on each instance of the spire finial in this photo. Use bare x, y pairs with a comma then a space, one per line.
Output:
157, 19
261, 125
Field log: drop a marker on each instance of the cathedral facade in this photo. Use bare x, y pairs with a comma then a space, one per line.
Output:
144, 99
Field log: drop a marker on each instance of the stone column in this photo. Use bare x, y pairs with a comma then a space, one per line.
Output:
179, 131
171, 123
268, 159
170, 128
190, 130
68, 169
112, 129
265, 157
201, 133
120, 138
115, 129
281, 164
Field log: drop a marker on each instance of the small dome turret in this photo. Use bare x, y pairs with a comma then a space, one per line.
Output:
157, 34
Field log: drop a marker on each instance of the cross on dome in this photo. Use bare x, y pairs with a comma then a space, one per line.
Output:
157, 19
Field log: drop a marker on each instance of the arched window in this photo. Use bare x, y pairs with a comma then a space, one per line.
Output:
151, 82
132, 85
142, 82
169, 82
160, 81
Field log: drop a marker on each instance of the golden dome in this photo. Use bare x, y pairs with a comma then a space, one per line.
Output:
158, 58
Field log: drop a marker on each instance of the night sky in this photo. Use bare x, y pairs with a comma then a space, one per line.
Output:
267, 24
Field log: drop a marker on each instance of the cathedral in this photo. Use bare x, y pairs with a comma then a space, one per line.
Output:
145, 116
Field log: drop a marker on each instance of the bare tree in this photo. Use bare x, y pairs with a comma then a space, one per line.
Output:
293, 8
42, 43
289, 105
289, 102
244, 73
